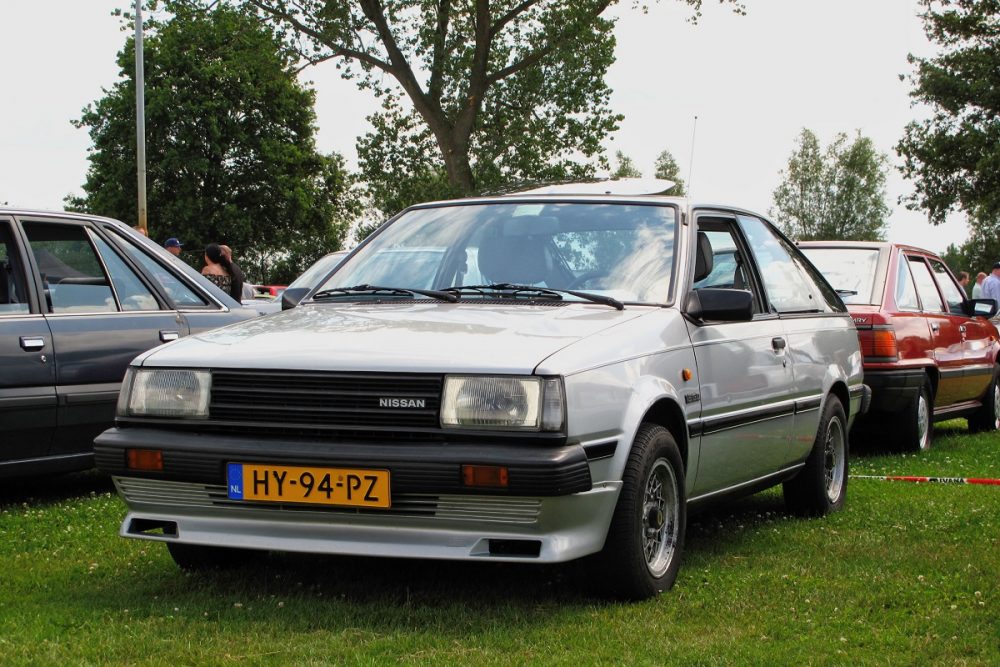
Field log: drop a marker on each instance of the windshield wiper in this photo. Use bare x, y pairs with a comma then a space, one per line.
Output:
335, 292
544, 292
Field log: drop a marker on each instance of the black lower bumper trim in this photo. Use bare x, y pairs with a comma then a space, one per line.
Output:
894, 390
426, 467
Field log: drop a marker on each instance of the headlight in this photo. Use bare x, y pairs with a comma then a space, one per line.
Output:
165, 393
504, 402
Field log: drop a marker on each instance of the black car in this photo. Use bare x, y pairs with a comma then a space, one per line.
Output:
80, 297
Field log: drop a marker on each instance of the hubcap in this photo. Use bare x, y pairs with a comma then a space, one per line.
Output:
923, 423
996, 407
834, 460
660, 509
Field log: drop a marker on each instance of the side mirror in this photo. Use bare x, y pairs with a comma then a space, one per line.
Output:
291, 296
720, 304
981, 307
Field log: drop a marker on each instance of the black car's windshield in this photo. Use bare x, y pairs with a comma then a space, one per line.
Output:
623, 251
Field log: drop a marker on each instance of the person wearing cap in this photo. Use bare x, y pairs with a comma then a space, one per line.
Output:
991, 286
173, 246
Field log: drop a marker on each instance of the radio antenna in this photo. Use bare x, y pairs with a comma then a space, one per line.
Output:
694, 131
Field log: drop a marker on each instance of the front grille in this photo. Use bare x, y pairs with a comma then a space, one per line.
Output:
155, 495
330, 400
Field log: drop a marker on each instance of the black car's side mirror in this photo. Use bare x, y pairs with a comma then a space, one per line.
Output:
981, 307
719, 304
291, 296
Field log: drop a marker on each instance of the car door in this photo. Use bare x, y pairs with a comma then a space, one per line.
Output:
27, 381
946, 334
746, 378
101, 314
816, 326
977, 334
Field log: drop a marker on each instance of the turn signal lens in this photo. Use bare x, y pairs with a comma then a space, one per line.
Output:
879, 343
144, 459
489, 476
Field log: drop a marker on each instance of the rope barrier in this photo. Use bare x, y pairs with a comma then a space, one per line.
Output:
935, 480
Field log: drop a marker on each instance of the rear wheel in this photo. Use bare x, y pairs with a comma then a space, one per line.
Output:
987, 417
917, 422
196, 557
643, 550
821, 485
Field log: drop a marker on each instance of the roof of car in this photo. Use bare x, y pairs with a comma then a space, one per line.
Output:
11, 210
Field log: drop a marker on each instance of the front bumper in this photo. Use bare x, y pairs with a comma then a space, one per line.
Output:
551, 511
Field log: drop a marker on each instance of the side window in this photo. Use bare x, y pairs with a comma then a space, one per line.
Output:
906, 291
729, 268
13, 285
132, 294
71, 271
789, 288
930, 299
182, 295
952, 293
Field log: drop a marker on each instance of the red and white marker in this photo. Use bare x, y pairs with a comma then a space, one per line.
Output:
936, 480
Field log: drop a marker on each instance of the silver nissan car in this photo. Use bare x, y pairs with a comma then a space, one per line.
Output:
562, 373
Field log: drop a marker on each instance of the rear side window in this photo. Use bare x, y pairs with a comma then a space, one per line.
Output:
906, 291
132, 294
792, 285
13, 289
930, 298
71, 271
182, 295
952, 293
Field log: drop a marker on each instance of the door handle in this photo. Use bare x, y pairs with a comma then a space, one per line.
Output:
961, 328
32, 343
935, 326
167, 336
778, 343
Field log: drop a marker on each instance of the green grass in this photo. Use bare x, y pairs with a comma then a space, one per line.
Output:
907, 574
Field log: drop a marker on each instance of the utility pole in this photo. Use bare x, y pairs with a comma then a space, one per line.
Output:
140, 119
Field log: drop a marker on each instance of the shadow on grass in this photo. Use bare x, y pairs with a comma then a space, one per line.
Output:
48, 489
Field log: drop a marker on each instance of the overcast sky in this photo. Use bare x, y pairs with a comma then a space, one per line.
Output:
753, 81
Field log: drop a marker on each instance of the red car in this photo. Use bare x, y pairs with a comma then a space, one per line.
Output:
930, 353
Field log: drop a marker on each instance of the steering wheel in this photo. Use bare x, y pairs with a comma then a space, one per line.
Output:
585, 277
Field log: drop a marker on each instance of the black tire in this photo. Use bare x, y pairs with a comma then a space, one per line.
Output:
917, 422
197, 557
987, 417
821, 486
643, 549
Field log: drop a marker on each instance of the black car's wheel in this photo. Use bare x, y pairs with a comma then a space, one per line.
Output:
917, 422
987, 417
643, 549
195, 557
821, 486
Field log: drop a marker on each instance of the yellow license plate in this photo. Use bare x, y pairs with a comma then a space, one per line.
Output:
350, 487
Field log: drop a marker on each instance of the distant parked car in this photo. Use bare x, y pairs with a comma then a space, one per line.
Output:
80, 296
528, 378
930, 352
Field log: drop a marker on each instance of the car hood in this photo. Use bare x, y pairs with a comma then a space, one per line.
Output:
417, 337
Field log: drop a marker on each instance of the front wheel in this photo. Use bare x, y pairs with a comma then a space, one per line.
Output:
987, 417
821, 485
643, 549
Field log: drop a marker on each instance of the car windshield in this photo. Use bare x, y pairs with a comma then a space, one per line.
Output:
848, 270
318, 270
625, 251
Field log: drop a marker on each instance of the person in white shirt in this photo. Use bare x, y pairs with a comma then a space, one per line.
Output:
991, 286
977, 289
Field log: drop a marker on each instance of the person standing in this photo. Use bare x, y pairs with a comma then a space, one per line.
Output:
991, 286
977, 289
219, 269
173, 246
246, 288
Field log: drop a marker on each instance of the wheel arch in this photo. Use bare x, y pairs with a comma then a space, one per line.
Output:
667, 413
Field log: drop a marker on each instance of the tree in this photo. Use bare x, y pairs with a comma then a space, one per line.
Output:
626, 167
954, 156
477, 94
667, 169
230, 149
836, 194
